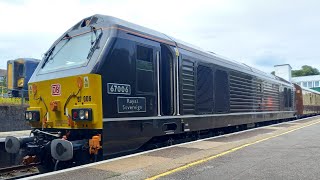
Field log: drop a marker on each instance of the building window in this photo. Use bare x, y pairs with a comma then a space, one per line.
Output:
316, 84
305, 84
310, 84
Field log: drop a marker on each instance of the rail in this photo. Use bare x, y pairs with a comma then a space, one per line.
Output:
19, 171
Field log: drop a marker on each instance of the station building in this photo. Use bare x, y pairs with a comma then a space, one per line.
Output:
311, 82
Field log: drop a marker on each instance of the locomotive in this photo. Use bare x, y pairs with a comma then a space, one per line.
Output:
19, 71
107, 87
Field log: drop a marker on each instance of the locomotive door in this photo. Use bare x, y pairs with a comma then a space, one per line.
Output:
166, 81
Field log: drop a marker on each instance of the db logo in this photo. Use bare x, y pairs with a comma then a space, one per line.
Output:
55, 89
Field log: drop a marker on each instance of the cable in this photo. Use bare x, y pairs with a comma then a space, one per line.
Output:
56, 165
68, 99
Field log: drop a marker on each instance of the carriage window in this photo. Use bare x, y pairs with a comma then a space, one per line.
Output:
144, 67
20, 69
144, 53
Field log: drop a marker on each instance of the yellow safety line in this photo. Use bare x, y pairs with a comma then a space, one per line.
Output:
224, 153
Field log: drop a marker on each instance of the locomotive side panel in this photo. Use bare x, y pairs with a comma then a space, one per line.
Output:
240, 97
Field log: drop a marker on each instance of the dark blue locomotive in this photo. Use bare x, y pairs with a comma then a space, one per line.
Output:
108, 87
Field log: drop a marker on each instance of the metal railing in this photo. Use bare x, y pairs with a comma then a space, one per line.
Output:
7, 99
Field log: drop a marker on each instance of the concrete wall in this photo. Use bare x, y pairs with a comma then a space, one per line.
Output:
12, 118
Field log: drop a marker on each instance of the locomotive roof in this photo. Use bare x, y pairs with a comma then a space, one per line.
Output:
107, 21
27, 59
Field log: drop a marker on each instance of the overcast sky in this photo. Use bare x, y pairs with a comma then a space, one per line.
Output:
256, 32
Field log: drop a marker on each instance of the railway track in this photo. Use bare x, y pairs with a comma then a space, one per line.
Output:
19, 171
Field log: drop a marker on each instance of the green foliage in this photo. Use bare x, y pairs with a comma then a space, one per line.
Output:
3, 85
305, 71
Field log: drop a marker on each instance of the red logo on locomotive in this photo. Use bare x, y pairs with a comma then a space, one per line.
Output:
55, 89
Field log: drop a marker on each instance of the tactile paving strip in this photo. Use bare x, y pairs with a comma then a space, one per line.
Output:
241, 136
174, 152
304, 121
284, 125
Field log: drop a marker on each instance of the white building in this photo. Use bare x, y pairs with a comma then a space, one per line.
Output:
307, 81
284, 71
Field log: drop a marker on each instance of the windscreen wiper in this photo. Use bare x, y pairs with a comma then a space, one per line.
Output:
95, 43
47, 55
52, 49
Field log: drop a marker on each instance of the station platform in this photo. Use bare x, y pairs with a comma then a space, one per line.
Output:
288, 150
3, 135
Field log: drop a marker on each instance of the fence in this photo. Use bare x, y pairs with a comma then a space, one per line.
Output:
5, 98
13, 101
3, 90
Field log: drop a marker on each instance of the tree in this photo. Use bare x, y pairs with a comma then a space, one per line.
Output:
305, 71
3, 85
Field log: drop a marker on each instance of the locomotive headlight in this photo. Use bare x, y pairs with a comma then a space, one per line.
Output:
30, 116
86, 114
20, 82
81, 114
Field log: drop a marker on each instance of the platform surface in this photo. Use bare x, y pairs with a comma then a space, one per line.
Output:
291, 156
285, 151
3, 135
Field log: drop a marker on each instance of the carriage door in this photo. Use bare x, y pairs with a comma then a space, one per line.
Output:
166, 82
